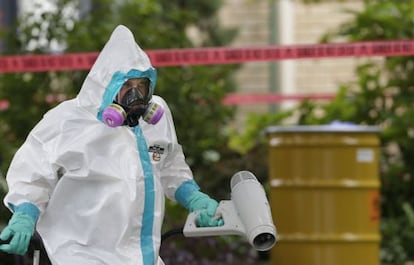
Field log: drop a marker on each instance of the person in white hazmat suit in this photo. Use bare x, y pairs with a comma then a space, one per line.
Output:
92, 174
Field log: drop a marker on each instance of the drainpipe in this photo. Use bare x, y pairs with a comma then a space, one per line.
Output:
282, 73
273, 40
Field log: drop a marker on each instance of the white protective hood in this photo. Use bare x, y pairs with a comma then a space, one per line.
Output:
120, 54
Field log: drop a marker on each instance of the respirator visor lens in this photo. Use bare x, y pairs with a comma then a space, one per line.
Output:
135, 92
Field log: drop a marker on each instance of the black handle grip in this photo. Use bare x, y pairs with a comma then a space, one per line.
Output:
35, 241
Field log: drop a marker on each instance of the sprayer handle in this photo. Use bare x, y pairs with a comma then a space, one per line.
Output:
232, 224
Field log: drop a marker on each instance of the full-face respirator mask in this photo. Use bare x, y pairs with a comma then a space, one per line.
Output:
132, 102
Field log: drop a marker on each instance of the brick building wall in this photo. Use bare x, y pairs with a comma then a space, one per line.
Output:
308, 23
312, 22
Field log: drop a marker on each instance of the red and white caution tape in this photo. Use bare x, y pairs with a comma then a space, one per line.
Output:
208, 56
218, 55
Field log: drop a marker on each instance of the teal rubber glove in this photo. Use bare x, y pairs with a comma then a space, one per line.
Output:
19, 230
206, 207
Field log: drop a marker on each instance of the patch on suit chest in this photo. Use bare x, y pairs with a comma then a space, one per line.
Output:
157, 151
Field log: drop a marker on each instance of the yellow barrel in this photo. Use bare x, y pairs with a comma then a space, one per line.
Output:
325, 194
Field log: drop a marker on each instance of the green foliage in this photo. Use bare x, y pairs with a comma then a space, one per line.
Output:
255, 124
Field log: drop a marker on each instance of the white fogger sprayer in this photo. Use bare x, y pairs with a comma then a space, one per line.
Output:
247, 214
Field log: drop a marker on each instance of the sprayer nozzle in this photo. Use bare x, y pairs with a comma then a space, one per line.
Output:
264, 241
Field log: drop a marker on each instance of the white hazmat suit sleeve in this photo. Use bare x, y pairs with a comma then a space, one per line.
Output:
31, 178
